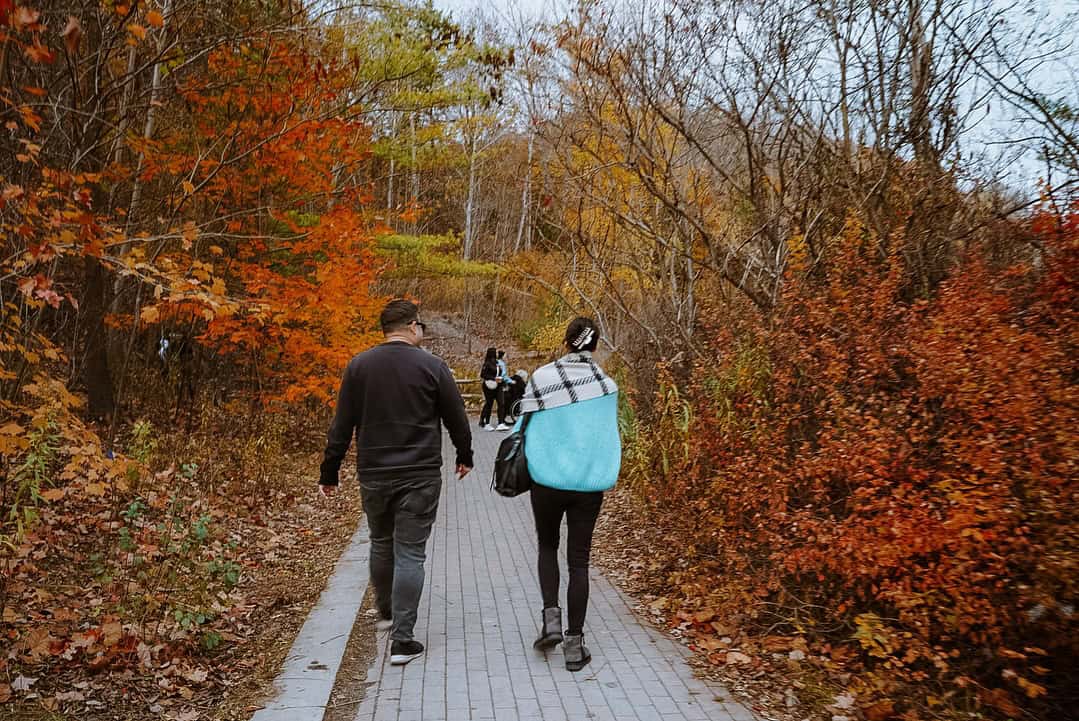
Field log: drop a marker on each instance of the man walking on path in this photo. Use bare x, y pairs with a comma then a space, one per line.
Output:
393, 397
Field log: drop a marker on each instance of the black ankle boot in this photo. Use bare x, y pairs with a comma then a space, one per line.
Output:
576, 653
551, 630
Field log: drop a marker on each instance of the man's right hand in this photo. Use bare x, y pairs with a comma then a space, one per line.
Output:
463, 470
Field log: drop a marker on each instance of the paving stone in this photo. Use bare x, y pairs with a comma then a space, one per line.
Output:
480, 613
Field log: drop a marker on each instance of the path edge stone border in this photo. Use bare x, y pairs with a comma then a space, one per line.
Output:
310, 669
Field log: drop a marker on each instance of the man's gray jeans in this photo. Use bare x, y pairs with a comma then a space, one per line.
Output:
400, 515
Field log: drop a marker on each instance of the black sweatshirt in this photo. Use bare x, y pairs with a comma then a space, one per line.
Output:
394, 395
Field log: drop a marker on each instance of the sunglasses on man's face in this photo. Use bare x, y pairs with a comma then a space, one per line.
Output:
423, 326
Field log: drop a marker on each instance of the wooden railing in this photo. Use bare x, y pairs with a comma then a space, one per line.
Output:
471, 399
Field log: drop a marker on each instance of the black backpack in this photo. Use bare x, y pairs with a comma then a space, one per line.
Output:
511, 476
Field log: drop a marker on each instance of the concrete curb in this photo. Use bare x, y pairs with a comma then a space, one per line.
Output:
310, 669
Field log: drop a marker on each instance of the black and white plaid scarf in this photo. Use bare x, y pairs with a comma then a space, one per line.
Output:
573, 378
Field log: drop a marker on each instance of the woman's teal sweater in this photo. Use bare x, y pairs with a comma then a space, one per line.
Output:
575, 447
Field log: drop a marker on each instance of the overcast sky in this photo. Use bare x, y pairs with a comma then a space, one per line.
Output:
463, 8
1058, 79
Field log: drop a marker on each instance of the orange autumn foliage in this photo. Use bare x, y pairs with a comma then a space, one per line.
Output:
303, 267
897, 474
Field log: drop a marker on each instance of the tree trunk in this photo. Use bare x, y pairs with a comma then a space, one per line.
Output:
389, 186
468, 316
526, 197
691, 301
415, 170
96, 374
151, 122
469, 200
921, 81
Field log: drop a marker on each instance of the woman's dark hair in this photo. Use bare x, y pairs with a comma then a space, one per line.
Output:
501, 353
489, 369
397, 314
582, 334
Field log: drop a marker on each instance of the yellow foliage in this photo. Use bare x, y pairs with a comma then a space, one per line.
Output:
549, 337
797, 252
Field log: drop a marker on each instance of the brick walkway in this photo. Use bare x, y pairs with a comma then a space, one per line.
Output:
479, 616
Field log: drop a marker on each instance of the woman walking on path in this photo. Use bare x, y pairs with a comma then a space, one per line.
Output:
574, 454
491, 385
503, 386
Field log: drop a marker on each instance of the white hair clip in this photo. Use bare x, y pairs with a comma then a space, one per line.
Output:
583, 338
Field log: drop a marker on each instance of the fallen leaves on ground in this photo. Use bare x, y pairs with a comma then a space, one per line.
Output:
78, 642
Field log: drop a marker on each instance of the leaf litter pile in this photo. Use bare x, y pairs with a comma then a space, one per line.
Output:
159, 598
779, 677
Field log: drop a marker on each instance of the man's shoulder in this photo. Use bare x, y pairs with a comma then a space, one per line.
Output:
371, 356
398, 351
365, 356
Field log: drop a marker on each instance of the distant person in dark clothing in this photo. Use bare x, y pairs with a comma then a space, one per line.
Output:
490, 383
515, 389
393, 398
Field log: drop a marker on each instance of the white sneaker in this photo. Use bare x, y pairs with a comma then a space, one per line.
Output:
489, 427
502, 427
401, 652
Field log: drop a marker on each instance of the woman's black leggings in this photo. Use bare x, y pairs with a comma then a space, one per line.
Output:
489, 398
581, 510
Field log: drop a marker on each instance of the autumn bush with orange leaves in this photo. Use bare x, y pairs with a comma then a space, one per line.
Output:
239, 222
300, 268
890, 473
